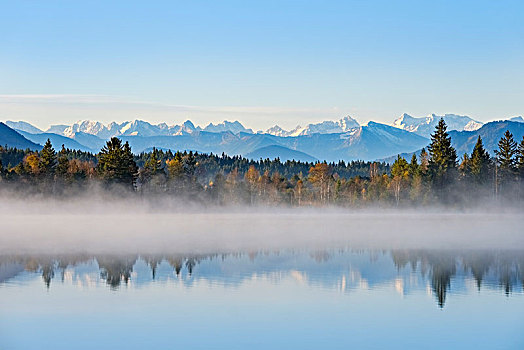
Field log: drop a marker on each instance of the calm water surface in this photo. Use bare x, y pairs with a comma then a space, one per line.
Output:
274, 299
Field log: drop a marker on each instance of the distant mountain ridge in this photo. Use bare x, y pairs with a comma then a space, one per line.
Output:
424, 126
464, 141
344, 139
326, 127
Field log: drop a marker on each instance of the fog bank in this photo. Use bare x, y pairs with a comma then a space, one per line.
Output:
131, 227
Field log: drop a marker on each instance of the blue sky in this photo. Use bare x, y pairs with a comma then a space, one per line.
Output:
267, 62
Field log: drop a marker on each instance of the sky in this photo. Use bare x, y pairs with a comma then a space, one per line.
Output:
262, 63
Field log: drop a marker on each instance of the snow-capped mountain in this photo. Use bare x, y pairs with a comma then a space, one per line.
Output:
424, 126
235, 127
143, 128
326, 127
57, 129
88, 127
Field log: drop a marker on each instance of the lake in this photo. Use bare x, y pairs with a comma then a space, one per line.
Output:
262, 281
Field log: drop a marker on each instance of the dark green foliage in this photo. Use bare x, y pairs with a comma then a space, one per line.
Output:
480, 164
116, 163
47, 159
414, 168
153, 165
63, 163
506, 157
520, 159
443, 159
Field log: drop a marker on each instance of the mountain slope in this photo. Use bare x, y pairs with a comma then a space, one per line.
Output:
23, 126
12, 138
464, 141
491, 133
56, 140
283, 153
367, 143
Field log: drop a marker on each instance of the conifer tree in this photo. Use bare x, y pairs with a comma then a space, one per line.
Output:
413, 166
443, 159
505, 157
465, 167
189, 165
520, 159
116, 162
399, 172
424, 162
47, 162
480, 163
153, 165
63, 163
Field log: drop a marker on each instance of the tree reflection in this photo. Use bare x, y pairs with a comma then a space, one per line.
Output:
438, 268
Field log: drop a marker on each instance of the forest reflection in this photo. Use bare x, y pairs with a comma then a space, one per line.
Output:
440, 271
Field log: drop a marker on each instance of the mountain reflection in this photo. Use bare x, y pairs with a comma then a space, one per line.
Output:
438, 272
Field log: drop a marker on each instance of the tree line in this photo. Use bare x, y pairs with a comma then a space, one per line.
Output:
435, 176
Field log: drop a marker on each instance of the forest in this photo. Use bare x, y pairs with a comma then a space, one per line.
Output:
436, 177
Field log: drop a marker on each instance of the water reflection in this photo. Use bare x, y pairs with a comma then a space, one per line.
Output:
439, 272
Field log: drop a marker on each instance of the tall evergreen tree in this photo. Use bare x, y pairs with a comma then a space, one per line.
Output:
443, 159
520, 159
465, 167
414, 168
424, 162
153, 164
505, 157
189, 165
116, 163
63, 163
480, 165
47, 161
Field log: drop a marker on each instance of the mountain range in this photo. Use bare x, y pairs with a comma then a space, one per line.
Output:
464, 141
344, 139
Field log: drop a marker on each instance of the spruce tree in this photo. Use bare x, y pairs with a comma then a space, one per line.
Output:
505, 157
465, 167
116, 163
47, 162
189, 165
443, 159
424, 162
63, 163
520, 159
153, 163
413, 166
480, 164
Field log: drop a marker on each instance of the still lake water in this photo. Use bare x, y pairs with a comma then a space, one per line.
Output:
334, 297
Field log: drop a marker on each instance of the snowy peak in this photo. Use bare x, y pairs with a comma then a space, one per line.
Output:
235, 127
57, 129
517, 119
424, 126
86, 126
326, 127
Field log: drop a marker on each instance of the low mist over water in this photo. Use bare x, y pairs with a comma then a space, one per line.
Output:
164, 276
120, 227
